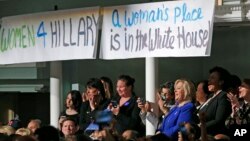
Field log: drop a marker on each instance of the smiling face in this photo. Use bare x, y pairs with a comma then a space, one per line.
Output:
179, 92
93, 94
244, 90
214, 83
122, 89
69, 128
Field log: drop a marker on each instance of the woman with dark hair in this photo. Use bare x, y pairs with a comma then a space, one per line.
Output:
234, 84
165, 102
124, 107
108, 87
96, 102
216, 108
240, 116
202, 94
73, 103
166, 97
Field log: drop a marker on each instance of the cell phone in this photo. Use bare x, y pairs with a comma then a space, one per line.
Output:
114, 103
163, 97
142, 100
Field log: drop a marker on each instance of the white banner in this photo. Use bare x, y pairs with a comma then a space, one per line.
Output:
49, 36
162, 29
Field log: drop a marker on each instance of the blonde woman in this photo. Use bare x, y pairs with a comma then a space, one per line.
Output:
23, 131
7, 130
182, 112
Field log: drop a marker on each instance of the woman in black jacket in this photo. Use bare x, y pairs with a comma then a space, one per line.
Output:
124, 107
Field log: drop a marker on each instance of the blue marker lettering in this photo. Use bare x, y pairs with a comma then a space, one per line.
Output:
116, 22
41, 32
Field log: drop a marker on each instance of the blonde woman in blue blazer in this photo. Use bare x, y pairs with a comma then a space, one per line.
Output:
182, 112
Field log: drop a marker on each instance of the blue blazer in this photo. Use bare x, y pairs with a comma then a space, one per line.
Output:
176, 116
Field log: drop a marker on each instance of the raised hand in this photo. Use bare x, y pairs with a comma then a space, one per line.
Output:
234, 102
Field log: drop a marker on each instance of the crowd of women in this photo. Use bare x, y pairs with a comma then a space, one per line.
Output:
211, 110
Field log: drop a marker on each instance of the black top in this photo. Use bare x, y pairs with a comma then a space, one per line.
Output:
128, 117
75, 117
87, 116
